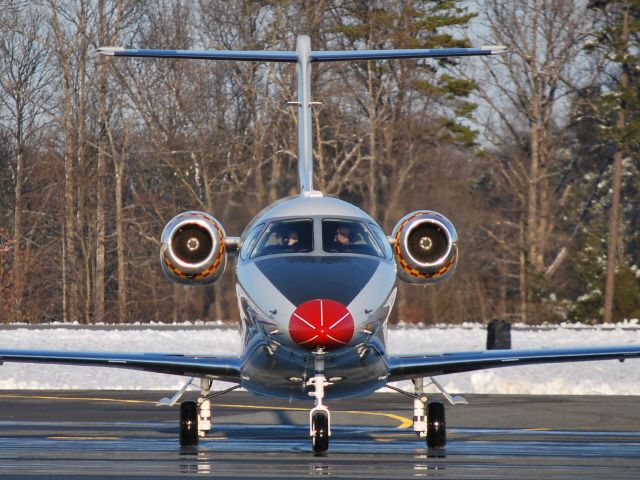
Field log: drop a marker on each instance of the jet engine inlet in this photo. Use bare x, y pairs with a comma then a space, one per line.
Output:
427, 242
193, 250
192, 243
426, 247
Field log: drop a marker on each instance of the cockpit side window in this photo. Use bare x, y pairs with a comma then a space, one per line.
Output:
286, 236
250, 241
348, 236
382, 239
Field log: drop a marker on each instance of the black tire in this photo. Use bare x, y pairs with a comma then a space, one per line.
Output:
188, 424
320, 425
436, 425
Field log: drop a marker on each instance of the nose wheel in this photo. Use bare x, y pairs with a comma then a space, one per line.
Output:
320, 431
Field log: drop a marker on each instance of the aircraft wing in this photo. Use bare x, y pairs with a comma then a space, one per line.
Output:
407, 367
223, 368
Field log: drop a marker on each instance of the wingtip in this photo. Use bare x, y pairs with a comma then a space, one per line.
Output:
109, 50
495, 49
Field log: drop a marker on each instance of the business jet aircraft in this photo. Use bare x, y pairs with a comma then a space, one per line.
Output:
316, 281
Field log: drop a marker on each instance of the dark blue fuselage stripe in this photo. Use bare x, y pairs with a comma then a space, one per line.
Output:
303, 278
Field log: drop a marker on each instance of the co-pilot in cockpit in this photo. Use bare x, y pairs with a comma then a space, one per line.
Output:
285, 236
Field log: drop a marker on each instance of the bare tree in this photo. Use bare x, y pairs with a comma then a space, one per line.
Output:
112, 17
24, 80
66, 44
524, 90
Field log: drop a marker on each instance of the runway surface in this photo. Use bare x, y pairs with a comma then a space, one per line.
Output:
122, 435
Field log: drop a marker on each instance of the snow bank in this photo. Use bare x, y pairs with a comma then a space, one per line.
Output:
214, 341
586, 378
600, 378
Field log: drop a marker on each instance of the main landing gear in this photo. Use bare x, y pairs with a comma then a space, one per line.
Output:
195, 417
319, 416
429, 417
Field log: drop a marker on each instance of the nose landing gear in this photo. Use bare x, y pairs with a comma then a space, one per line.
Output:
319, 416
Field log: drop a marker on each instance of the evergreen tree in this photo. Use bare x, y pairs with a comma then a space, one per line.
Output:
608, 142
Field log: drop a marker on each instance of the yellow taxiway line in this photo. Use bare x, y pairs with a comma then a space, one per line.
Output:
65, 437
93, 399
403, 421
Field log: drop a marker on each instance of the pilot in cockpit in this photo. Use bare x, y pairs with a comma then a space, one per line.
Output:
342, 237
291, 239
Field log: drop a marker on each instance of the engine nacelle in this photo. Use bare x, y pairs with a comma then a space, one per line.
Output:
193, 249
426, 247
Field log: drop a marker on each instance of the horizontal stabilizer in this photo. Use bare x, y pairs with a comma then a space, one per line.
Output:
246, 55
327, 56
291, 56
419, 366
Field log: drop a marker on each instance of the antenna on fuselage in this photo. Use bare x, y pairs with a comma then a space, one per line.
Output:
303, 57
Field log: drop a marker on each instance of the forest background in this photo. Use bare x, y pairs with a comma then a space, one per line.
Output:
533, 154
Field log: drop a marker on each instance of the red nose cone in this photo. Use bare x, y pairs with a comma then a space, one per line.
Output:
321, 324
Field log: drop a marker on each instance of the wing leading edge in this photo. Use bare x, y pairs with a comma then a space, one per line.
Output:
407, 367
222, 368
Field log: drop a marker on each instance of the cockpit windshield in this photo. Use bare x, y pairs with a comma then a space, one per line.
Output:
286, 236
348, 236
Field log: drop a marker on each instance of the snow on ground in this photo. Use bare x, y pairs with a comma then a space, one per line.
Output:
604, 378
585, 378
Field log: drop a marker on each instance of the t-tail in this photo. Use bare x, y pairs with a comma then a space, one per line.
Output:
303, 56
194, 244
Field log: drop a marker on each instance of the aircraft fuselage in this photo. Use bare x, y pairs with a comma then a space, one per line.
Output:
314, 274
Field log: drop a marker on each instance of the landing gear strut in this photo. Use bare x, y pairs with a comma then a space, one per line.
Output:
319, 416
204, 408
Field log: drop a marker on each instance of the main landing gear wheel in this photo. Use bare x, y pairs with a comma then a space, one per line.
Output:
188, 424
320, 436
436, 426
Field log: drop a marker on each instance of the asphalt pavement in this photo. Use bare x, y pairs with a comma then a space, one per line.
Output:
107, 434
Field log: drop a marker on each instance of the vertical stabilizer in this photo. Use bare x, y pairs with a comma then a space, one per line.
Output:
305, 145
